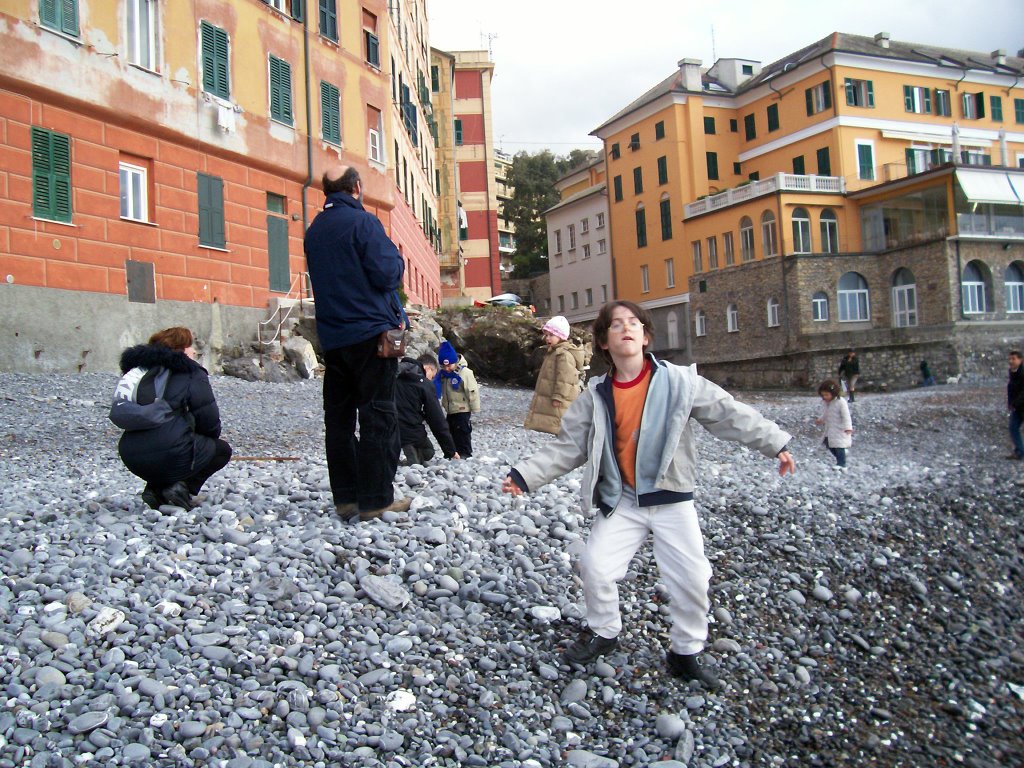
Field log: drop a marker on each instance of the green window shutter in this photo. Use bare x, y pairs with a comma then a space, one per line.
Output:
215, 60
638, 181
865, 161
299, 10
435, 79
329, 19
927, 95
51, 175
659, 130
641, 228
911, 161
773, 117
617, 185
809, 98
979, 99
372, 49
663, 170
277, 254
712, 159
666, 219
458, 133
798, 165
49, 13
709, 125
60, 15
826, 93
211, 210
824, 163
280, 90
1018, 110
851, 93
871, 93
908, 98
330, 112
996, 108
69, 17
750, 126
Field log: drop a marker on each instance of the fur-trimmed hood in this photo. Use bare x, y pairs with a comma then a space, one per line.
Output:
149, 355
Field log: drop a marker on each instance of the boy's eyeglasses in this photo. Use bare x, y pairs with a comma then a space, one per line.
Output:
620, 325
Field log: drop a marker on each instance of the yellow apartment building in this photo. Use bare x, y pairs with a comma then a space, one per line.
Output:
859, 193
167, 175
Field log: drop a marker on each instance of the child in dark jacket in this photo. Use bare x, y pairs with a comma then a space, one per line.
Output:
416, 401
176, 458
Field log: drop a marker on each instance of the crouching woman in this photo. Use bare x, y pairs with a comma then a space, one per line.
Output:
177, 457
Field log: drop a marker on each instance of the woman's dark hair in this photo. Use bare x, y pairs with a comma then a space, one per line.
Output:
604, 320
829, 386
177, 338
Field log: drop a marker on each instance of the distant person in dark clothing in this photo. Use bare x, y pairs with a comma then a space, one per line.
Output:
927, 380
356, 271
1015, 404
177, 457
849, 372
416, 401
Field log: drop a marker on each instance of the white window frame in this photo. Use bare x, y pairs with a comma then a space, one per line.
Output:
604, 293
973, 297
600, 221
829, 230
572, 237
747, 252
712, 252
858, 143
590, 297
698, 259
586, 250
645, 279
773, 312
769, 234
134, 196
277, 5
1014, 294
802, 232
575, 303
584, 225
135, 33
730, 253
854, 304
375, 142
700, 323
819, 307
670, 273
602, 247
558, 241
732, 319
904, 306
561, 303
818, 97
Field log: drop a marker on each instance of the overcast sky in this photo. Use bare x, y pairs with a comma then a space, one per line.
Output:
563, 67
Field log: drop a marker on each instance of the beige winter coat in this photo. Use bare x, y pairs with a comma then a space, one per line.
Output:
559, 379
465, 399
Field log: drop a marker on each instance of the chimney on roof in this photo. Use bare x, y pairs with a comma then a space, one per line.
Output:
999, 55
689, 71
882, 39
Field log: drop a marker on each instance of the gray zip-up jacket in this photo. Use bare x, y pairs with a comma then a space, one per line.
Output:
666, 459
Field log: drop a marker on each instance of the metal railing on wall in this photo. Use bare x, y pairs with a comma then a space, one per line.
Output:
302, 287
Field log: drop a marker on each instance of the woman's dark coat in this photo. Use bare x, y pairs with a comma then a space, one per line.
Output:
175, 449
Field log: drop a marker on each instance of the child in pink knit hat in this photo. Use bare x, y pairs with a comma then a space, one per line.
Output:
558, 382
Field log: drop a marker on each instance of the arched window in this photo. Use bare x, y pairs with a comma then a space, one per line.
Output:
819, 307
853, 298
829, 232
773, 312
732, 318
973, 288
904, 299
747, 239
700, 325
1014, 281
801, 231
769, 235
673, 331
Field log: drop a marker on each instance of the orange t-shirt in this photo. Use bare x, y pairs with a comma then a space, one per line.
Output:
629, 398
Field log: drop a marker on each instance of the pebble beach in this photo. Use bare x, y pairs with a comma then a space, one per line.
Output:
871, 616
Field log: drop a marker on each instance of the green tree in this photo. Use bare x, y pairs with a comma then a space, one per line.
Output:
533, 177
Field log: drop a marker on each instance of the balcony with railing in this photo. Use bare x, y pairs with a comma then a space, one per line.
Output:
780, 182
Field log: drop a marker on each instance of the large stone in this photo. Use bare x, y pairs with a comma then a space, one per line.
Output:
300, 353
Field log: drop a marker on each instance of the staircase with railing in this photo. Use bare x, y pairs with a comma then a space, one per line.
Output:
268, 331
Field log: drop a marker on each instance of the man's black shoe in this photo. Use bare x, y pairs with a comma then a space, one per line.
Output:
177, 495
588, 647
152, 497
687, 667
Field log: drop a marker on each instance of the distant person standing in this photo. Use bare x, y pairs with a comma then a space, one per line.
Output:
460, 396
356, 271
927, 380
849, 372
1015, 404
558, 382
835, 417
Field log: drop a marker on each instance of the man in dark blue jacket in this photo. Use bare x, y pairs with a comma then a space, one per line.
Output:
356, 271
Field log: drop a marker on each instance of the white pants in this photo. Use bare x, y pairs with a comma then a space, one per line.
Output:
679, 552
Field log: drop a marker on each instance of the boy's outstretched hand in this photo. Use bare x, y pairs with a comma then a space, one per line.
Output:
508, 486
787, 464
